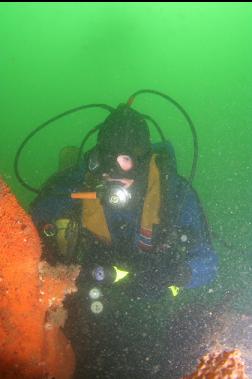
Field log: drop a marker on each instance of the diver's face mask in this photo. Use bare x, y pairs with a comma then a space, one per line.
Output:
118, 184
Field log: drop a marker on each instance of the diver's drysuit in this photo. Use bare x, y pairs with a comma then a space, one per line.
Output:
160, 243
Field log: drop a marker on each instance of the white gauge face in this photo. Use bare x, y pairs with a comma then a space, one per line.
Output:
95, 293
96, 307
98, 274
119, 196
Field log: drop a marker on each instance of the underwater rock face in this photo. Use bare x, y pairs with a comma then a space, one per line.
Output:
222, 365
32, 345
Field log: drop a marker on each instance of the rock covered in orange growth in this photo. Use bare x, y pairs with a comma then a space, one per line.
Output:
32, 345
224, 365
55, 284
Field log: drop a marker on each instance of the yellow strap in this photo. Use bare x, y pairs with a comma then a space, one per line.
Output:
93, 219
151, 207
62, 242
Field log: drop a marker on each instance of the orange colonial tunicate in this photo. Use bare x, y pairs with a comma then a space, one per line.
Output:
32, 345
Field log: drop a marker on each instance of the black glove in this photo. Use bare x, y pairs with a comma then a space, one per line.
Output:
152, 273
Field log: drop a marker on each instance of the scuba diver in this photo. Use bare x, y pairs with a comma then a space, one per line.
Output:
138, 231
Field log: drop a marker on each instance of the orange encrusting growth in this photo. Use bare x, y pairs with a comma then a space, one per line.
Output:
223, 365
31, 347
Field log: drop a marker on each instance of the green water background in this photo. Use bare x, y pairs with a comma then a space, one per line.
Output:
56, 56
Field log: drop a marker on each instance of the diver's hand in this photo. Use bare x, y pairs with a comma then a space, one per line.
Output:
152, 274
